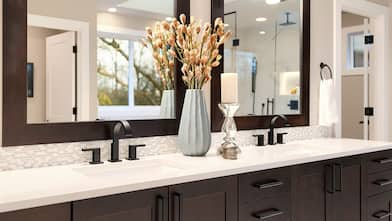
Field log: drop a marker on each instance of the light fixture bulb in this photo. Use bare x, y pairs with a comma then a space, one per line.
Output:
169, 19
112, 10
262, 32
272, 2
261, 19
226, 25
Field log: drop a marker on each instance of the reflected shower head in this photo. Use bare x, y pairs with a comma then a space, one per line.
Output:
288, 22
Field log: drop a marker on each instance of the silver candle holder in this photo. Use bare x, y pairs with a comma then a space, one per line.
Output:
229, 148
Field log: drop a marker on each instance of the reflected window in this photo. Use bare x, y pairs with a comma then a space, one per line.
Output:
127, 81
355, 58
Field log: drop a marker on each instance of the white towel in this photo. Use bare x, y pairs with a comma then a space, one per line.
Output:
328, 112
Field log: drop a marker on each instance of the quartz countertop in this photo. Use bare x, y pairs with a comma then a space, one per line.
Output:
22, 189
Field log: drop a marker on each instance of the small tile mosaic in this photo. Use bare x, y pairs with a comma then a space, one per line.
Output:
23, 157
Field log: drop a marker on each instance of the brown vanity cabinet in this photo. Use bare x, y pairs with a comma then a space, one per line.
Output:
347, 189
60, 212
343, 190
327, 191
265, 195
209, 200
308, 184
147, 205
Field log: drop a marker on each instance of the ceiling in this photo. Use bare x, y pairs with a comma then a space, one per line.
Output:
249, 10
157, 9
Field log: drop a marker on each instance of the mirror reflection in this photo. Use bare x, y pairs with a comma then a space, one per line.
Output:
86, 62
265, 52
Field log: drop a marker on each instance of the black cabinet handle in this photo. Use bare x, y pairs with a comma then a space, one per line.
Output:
382, 214
339, 178
268, 214
383, 161
160, 208
334, 181
269, 185
383, 182
177, 204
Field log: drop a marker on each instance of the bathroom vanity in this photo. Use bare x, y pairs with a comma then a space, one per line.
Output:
326, 179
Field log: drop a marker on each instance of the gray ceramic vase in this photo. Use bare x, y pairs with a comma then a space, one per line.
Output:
168, 109
194, 136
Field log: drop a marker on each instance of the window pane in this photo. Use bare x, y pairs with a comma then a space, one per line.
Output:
147, 84
113, 71
356, 50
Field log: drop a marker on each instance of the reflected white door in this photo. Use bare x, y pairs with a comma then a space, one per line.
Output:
60, 77
356, 83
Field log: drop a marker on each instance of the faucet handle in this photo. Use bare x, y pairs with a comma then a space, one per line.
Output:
132, 154
96, 158
280, 138
260, 140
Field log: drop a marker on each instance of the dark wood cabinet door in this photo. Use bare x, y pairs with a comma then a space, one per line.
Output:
209, 200
61, 212
344, 203
308, 193
148, 205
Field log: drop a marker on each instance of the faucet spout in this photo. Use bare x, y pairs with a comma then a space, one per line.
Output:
271, 133
120, 128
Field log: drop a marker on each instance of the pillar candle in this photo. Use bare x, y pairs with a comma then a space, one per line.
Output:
229, 88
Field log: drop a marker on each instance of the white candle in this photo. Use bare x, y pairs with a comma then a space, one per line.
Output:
229, 88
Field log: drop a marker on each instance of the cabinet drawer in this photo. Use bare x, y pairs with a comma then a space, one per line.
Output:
379, 182
268, 209
378, 208
379, 161
264, 184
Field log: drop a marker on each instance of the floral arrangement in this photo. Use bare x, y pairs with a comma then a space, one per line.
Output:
196, 48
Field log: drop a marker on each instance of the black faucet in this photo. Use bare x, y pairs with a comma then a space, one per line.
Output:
119, 129
271, 133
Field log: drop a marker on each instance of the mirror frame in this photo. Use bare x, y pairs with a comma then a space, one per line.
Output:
262, 122
17, 132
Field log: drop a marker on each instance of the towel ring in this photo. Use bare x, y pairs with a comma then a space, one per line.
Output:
324, 66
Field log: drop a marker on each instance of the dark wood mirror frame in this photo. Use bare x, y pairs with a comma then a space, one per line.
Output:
262, 122
16, 131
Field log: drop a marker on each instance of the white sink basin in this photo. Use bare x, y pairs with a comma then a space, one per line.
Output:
133, 169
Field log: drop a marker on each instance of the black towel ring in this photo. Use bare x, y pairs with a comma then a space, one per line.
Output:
325, 66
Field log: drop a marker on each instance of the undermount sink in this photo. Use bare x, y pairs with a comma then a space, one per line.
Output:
134, 169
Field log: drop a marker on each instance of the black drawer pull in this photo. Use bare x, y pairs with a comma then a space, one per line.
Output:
383, 182
160, 208
384, 160
263, 186
268, 214
177, 207
382, 215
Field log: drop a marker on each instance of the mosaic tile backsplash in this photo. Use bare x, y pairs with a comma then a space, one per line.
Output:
23, 157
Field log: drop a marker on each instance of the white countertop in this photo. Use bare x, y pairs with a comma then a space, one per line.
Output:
30, 188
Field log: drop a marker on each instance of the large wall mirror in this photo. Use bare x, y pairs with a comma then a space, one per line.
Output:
82, 67
270, 53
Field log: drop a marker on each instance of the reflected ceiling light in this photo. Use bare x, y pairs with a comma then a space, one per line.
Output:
226, 25
272, 2
112, 10
261, 19
262, 32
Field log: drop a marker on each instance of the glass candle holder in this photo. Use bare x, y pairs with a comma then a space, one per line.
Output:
229, 148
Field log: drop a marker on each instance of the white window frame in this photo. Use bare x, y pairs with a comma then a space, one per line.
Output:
122, 112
